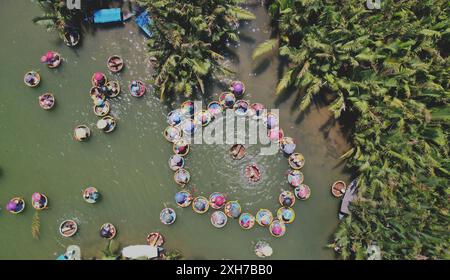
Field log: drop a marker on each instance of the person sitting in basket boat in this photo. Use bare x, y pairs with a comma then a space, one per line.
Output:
31, 78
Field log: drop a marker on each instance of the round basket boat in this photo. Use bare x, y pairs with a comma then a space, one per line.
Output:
15, 205
264, 217
81, 133
155, 239
115, 63
183, 198
241, 108
217, 200
275, 134
68, 228
295, 177
233, 209
338, 188
237, 151
200, 205
215, 108
189, 126
176, 162
98, 79
98, 93
181, 147
270, 120
246, 220
175, 117
287, 145
218, 219
181, 176
113, 89
296, 161
39, 201
237, 88
302, 192
91, 195
188, 108
172, 133
72, 38
102, 110
286, 214
168, 216
32, 79
203, 117
227, 99
252, 173
56, 61
286, 199
108, 231
47, 101
106, 124
257, 111
137, 88
277, 228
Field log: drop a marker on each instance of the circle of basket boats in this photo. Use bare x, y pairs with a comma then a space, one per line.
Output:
181, 147
200, 205
168, 216
102, 110
137, 88
188, 108
237, 151
296, 161
227, 99
113, 89
264, 217
52, 59
295, 177
176, 162
338, 188
270, 120
246, 220
108, 231
47, 101
257, 111
32, 79
302, 192
72, 38
217, 200
81, 133
286, 214
203, 117
275, 134
233, 209
237, 88
155, 239
286, 199
175, 117
172, 133
15, 205
241, 108
277, 228
91, 195
115, 63
39, 201
106, 124
183, 198
215, 108
287, 145
182, 176
68, 228
98, 79
218, 219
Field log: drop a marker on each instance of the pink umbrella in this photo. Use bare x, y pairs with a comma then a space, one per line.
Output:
36, 196
219, 200
98, 76
43, 59
50, 55
11, 206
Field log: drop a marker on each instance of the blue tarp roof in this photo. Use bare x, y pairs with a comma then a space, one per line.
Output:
107, 15
143, 21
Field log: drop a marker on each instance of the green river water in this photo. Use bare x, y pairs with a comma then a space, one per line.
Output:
129, 166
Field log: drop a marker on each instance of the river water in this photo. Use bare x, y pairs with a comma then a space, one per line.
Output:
129, 166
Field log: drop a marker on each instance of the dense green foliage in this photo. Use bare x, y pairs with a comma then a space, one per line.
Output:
56, 16
186, 38
390, 68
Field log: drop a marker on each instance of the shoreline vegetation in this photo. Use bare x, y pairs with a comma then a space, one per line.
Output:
390, 69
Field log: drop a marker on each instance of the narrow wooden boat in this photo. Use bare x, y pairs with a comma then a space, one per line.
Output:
72, 38
349, 195
102, 110
338, 188
81, 133
115, 63
108, 231
16, 205
218, 219
32, 79
39, 201
237, 151
68, 228
113, 89
91, 195
107, 124
137, 88
155, 239
168, 216
47, 101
